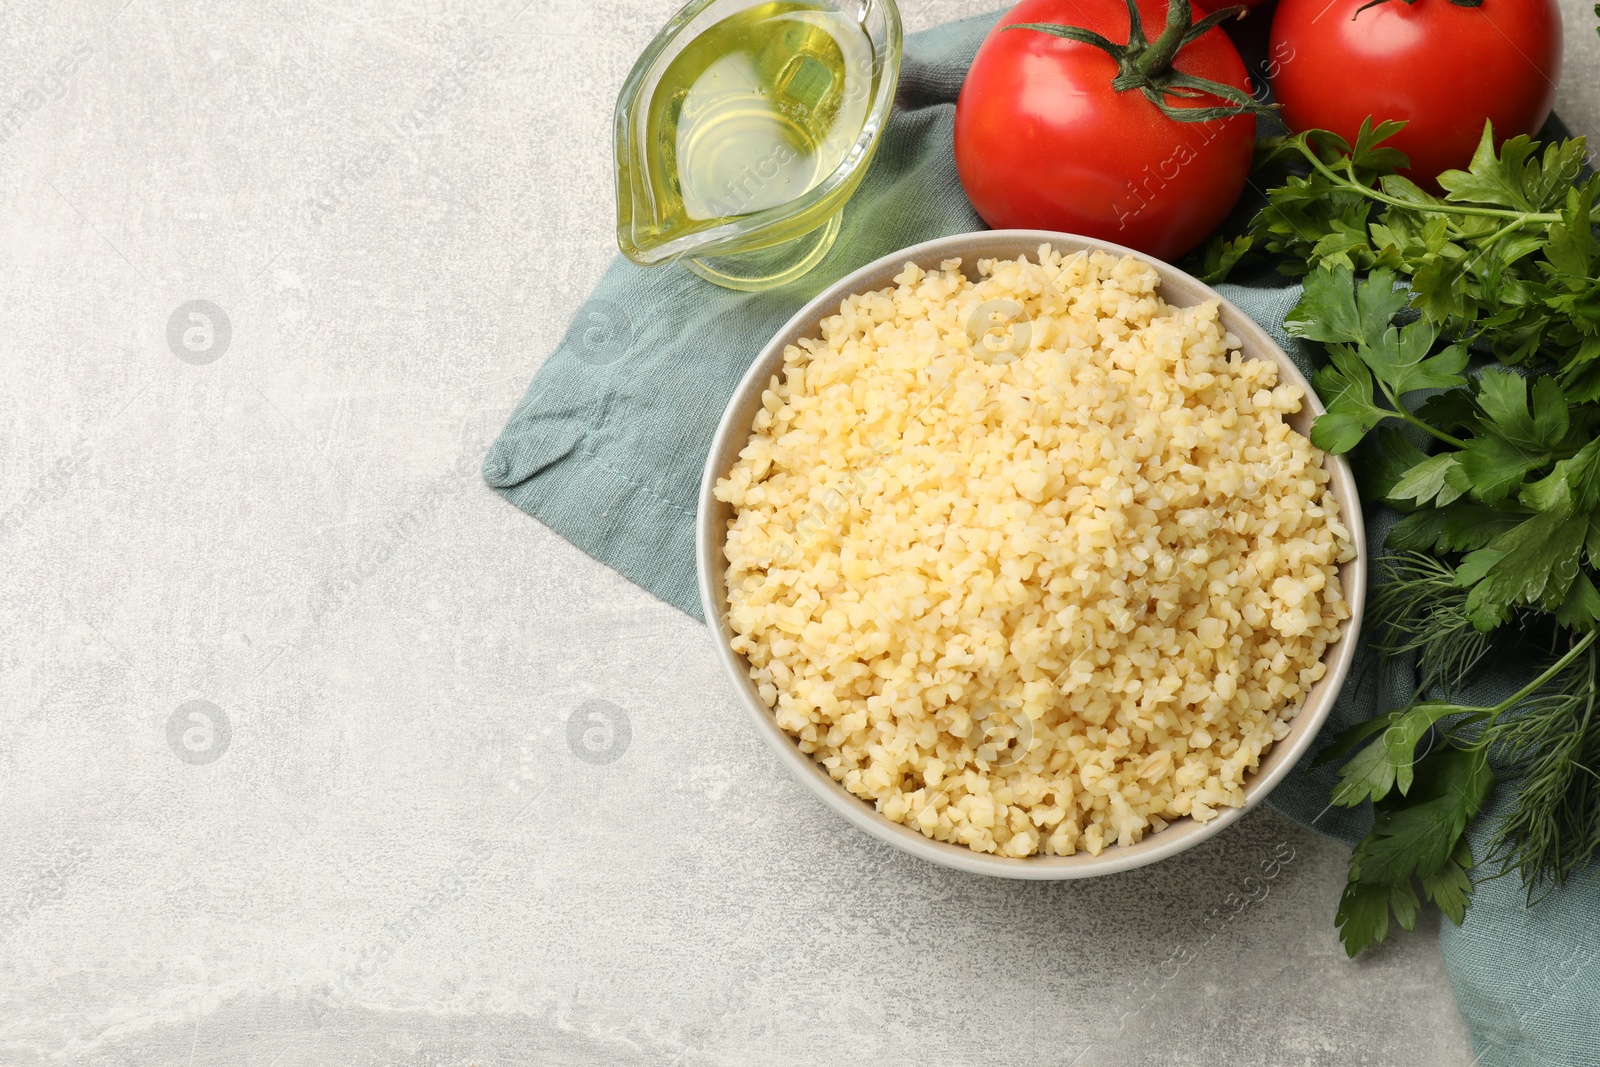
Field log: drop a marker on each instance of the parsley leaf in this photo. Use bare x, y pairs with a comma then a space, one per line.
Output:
1491, 467
1346, 388
1335, 309
1515, 178
1366, 351
1503, 395
1580, 607
1426, 481
1415, 833
1401, 360
1450, 887
1458, 527
1533, 563
1386, 763
1363, 915
1221, 256
1414, 836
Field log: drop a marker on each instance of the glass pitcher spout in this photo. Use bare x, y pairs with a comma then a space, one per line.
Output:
743, 129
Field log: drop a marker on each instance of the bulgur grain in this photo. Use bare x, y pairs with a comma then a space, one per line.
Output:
1032, 603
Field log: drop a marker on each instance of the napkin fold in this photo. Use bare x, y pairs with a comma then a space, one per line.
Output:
607, 447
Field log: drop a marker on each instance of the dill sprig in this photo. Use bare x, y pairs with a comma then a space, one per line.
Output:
1550, 751
1418, 607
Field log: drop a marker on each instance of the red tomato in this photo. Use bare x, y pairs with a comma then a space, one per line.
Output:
1440, 67
1043, 142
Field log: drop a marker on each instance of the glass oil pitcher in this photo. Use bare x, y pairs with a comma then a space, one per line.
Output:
743, 129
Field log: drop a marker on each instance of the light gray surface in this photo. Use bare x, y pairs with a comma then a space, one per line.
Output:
398, 857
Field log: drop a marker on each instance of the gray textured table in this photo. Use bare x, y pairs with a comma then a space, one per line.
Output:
371, 842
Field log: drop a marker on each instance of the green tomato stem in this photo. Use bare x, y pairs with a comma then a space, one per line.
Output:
1147, 66
1159, 56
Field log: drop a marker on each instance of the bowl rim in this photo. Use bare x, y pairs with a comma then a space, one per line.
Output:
860, 813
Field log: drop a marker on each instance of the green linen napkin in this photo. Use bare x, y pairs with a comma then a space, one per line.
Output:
607, 446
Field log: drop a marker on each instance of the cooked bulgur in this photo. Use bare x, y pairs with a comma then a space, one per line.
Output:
1040, 602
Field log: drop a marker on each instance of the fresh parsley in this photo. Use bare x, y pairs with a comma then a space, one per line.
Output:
1460, 343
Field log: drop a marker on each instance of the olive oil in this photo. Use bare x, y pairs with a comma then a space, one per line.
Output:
755, 111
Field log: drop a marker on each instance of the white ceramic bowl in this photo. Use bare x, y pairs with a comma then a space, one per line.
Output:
1177, 288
